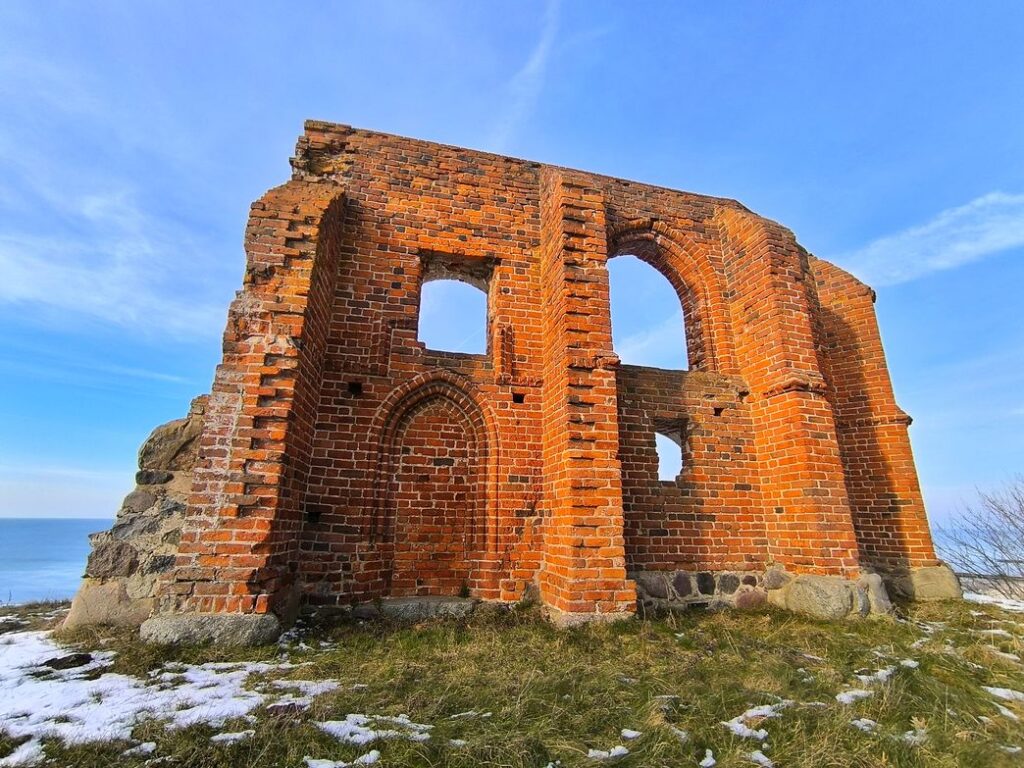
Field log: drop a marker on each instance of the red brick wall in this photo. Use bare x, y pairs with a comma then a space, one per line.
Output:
343, 461
885, 497
709, 518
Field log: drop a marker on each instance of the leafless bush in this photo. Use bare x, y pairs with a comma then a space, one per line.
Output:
987, 539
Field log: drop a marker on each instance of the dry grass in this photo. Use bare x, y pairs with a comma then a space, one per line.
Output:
555, 694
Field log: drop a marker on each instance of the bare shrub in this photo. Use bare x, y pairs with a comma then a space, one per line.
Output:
987, 539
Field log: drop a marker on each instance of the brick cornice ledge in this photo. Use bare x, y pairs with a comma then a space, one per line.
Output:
797, 383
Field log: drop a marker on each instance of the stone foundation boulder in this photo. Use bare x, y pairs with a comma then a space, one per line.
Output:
829, 597
215, 628
126, 562
937, 582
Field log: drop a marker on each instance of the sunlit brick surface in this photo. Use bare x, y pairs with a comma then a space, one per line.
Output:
342, 461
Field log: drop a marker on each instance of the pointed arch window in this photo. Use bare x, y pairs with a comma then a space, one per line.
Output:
648, 327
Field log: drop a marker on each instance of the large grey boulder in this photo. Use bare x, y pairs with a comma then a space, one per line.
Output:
215, 628
937, 582
420, 608
126, 562
823, 597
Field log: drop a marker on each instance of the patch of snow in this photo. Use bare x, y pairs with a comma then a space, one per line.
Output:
1010, 750
146, 748
993, 632
864, 724
738, 725
232, 738
1002, 602
363, 729
760, 758
709, 760
910, 664
307, 687
27, 753
457, 742
680, 733
812, 657
69, 706
878, 677
629, 735
1003, 655
470, 713
369, 758
1007, 713
1005, 693
915, 738
852, 695
612, 754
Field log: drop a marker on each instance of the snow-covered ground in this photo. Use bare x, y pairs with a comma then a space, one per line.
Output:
1017, 606
85, 704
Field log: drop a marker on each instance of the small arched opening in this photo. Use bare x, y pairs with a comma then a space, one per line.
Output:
669, 446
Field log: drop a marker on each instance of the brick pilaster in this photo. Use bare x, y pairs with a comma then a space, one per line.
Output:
807, 511
584, 558
885, 496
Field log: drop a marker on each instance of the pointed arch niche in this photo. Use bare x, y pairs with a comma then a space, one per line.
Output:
434, 489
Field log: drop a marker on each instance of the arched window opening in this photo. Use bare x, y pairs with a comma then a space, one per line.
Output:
453, 317
670, 455
647, 318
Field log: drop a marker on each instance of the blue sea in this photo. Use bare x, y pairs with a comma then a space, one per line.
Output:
43, 559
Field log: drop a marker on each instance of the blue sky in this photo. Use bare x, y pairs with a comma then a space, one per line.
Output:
133, 137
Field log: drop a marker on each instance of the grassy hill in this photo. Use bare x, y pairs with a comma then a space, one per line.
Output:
505, 688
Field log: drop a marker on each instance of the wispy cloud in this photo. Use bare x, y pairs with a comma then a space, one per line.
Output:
662, 345
525, 86
983, 227
109, 378
118, 272
112, 262
78, 243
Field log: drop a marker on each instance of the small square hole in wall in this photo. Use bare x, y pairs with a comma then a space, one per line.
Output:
719, 411
518, 397
355, 387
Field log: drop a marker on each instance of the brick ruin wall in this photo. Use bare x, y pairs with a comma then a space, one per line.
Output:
342, 461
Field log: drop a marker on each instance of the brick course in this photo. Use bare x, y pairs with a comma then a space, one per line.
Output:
342, 461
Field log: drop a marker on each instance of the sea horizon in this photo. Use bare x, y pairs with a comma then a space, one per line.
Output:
44, 558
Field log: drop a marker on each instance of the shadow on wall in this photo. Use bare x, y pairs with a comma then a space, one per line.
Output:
877, 502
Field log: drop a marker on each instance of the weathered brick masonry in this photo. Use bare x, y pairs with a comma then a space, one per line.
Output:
342, 461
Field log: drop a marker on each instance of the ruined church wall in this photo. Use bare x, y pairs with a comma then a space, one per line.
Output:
411, 202
343, 461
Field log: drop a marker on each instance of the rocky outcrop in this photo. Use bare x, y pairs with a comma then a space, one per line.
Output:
126, 562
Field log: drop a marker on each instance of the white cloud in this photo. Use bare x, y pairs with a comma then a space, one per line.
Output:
662, 345
983, 227
78, 244
525, 86
110, 262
